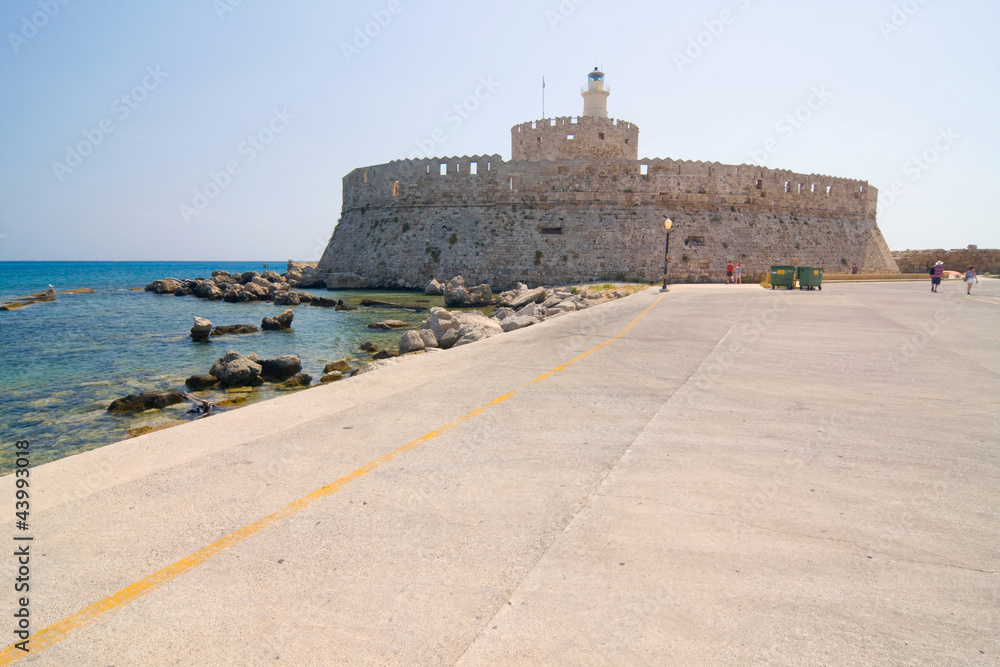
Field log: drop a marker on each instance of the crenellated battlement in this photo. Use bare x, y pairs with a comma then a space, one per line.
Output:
574, 138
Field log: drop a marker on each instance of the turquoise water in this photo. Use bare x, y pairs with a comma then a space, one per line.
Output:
62, 363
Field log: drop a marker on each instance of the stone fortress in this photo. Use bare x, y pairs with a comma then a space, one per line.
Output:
576, 203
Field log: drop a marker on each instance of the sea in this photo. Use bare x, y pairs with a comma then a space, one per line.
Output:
63, 362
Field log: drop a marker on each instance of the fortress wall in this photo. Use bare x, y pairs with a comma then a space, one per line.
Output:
559, 222
592, 138
919, 261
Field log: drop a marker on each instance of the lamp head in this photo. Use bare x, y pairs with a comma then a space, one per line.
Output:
668, 223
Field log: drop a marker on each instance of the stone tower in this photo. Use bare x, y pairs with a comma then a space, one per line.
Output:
595, 95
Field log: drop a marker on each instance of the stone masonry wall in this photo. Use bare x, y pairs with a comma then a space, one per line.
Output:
574, 138
558, 222
919, 261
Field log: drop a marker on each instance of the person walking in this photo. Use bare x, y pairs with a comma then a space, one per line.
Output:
729, 273
936, 274
854, 268
970, 277
739, 273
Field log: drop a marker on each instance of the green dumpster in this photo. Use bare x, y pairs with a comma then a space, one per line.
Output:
783, 276
810, 277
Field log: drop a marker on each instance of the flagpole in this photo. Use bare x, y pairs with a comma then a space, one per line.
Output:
543, 97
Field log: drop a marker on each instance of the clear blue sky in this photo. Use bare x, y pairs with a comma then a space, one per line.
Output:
162, 95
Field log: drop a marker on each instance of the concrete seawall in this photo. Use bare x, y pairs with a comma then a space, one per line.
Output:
724, 475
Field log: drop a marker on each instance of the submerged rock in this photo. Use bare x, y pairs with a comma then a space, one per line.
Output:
234, 370
280, 368
279, 323
234, 329
332, 376
147, 400
389, 324
341, 366
201, 329
296, 381
201, 382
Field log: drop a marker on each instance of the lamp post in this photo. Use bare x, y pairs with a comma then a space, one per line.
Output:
668, 223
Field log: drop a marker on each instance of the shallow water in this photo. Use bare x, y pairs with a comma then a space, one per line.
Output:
62, 363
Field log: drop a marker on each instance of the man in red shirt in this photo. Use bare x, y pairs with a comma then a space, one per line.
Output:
729, 273
936, 274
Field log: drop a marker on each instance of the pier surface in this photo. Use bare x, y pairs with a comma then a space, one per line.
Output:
718, 475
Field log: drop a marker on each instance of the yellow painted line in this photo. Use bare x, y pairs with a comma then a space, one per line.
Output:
975, 298
87, 616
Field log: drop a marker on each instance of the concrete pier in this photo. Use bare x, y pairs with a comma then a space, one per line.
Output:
718, 475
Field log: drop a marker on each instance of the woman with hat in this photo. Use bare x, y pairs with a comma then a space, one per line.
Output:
936, 274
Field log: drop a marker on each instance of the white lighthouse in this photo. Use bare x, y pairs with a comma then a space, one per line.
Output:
595, 95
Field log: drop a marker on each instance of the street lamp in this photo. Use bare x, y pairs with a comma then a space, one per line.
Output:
668, 223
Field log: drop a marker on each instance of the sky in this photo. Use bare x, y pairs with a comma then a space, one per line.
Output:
221, 129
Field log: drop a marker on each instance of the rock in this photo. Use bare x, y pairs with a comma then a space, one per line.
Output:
385, 354
147, 400
165, 286
517, 322
476, 326
532, 310
200, 382
223, 281
234, 329
296, 381
341, 366
430, 340
345, 306
324, 302
224, 274
234, 370
231, 295
568, 305
184, 291
279, 323
305, 297
500, 314
246, 296
332, 376
286, 299
434, 288
247, 277
262, 292
457, 294
272, 276
346, 281
254, 357
201, 329
439, 322
412, 342
389, 324
306, 277
369, 347
280, 368
214, 293
448, 339
530, 296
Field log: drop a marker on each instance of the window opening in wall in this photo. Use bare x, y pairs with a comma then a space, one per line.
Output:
395, 188
829, 189
511, 182
533, 125
800, 189
366, 175
788, 187
626, 141
569, 137
444, 168
862, 189
759, 184
601, 135
573, 120
644, 170
813, 188
552, 122
473, 168
551, 230
487, 165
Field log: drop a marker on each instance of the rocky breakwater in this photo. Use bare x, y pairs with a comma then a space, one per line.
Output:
250, 287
